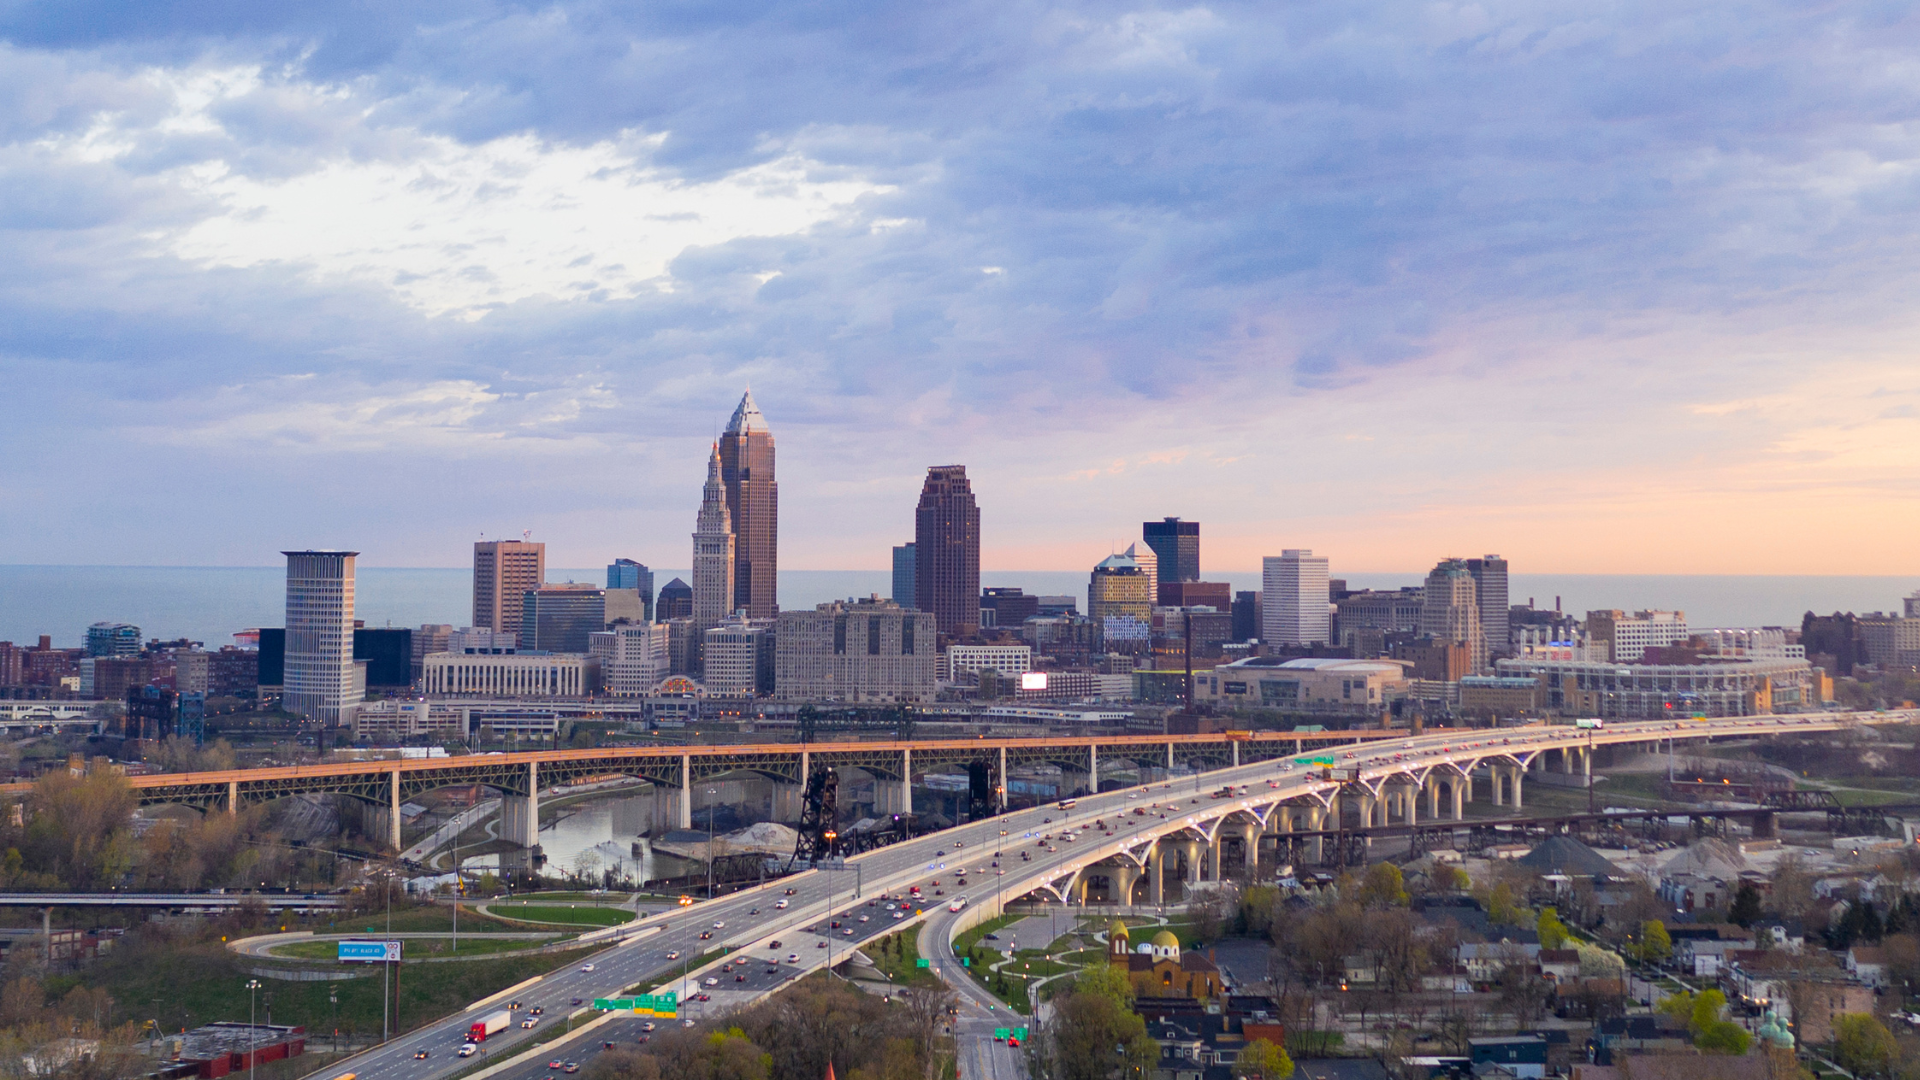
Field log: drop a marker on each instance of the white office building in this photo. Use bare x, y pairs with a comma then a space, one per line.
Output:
1295, 598
322, 683
527, 674
739, 658
634, 657
964, 663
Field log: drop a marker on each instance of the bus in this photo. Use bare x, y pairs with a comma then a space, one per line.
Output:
1590, 725
1067, 804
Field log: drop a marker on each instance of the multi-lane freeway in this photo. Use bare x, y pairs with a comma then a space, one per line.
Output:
1124, 829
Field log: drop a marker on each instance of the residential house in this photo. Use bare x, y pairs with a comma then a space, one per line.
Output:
1485, 960
1524, 1056
1868, 963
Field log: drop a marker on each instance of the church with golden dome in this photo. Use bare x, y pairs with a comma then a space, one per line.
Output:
1161, 969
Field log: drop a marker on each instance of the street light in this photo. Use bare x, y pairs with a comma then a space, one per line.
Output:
711, 792
252, 1032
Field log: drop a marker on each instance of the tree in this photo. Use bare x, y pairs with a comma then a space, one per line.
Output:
1092, 1037
1745, 909
1384, 886
1654, 944
1210, 911
926, 1009
1262, 1060
1723, 1037
1708, 1007
1792, 892
1553, 932
1863, 1046
1108, 981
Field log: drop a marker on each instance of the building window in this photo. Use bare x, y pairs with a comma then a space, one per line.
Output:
873, 637
906, 636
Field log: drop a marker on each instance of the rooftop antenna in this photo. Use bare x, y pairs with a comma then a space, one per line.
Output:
526, 535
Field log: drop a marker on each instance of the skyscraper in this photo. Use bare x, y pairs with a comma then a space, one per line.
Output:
676, 601
1149, 564
1490, 582
113, 639
1450, 610
1119, 587
628, 574
946, 551
1294, 598
562, 618
319, 669
503, 571
713, 551
753, 502
903, 575
1176, 544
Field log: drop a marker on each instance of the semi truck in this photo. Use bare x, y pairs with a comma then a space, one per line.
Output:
490, 1024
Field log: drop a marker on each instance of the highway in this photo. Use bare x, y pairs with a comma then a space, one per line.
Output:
653, 952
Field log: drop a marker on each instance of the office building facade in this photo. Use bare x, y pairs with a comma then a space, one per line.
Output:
675, 601
738, 658
1176, 544
1490, 583
559, 618
628, 574
503, 572
1119, 586
1624, 637
388, 654
322, 682
634, 659
903, 575
1295, 597
113, 639
867, 651
946, 551
1450, 610
713, 550
525, 674
753, 504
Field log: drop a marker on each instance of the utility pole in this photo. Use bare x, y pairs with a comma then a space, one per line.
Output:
252, 1032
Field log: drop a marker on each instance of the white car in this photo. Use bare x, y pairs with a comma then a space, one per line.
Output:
586, 967
713, 980
720, 924
793, 958
779, 905
468, 1049
674, 955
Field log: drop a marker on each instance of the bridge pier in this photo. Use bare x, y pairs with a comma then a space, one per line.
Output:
233, 797
520, 814
686, 791
1458, 789
393, 810
1412, 806
1519, 776
1123, 878
1159, 858
1001, 794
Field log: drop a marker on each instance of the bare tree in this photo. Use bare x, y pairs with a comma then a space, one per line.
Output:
927, 1009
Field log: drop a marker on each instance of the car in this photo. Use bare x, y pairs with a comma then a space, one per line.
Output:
586, 967
872, 903
959, 843
706, 935
774, 944
468, 1049
572, 1067
578, 1001
529, 1021
648, 1026
1051, 848
939, 892
719, 924
674, 955
740, 978
836, 925
793, 958
703, 996
820, 945
606, 1044
755, 911
644, 1040
780, 905
791, 890
513, 1005
863, 918
1013, 1041
688, 1022
556, 1063
899, 914
420, 1055
538, 1010
848, 931
713, 980
991, 937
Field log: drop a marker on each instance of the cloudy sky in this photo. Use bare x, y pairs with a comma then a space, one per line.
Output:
1622, 287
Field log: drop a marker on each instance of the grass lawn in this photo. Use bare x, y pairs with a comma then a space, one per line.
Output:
896, 956
416, 948
567, 914
426, 919
186, 985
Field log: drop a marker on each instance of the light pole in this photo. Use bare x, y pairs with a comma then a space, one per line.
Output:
333, 1000
831, 837
252, 1032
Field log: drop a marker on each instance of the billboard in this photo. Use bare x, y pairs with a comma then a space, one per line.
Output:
369, 952
1033, 680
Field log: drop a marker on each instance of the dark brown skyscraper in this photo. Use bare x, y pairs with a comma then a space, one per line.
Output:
753, 501
946, 555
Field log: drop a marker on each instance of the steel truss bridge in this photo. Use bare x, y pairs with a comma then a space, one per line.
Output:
520, 776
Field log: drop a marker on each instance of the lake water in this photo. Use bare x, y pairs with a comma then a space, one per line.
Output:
209, 604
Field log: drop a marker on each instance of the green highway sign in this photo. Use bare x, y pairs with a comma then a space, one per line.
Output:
667, 1004
923, 962
1000, 1034
966, 961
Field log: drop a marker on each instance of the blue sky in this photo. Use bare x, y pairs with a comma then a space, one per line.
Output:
1605, 288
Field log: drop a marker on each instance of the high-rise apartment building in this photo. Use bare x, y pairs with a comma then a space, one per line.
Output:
503, 572
560, 618
1176, 544
627, 574
946, 551
1490, 581
322, 683
1294, 597
713, 551
113, 639
753, 504
903, 575
1450, 610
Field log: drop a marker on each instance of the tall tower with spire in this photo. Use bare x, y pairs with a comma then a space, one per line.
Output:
713, 547
753, 499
